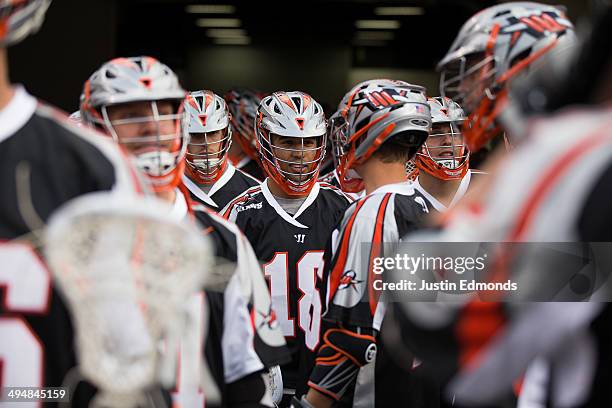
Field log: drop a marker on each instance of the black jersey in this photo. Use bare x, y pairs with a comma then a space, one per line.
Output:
242, 336
45, 161
251, 167
232, 183
291, 248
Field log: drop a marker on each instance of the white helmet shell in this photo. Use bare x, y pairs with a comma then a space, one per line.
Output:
207, 112
20, 19
293, 114
514, 30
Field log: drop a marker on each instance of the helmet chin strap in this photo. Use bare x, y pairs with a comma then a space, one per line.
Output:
155, 163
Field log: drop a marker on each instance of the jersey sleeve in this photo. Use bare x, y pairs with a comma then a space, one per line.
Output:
238, 340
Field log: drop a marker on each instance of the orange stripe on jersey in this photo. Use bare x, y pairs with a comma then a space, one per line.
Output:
338, 269
478, 322
323, 390
376, 251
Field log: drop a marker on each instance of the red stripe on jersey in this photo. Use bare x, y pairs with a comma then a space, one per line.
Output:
477, 323
552, 176
376, 251
338, 269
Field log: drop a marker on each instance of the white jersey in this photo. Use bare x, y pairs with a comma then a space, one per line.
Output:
434, 203
539, 195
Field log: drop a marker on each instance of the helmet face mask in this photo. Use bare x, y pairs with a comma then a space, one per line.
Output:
338, 135
467, 79
211, 136
151, 132
444, 154
139, 103
292, 138
207, 155
295, 159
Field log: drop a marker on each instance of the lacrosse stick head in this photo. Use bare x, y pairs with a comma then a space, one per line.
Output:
126, 269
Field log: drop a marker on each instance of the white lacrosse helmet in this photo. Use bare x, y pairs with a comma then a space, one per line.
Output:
448, 159
491, 48
207, 112
243, 105
291, 114
20, 18
373, 112
124, 81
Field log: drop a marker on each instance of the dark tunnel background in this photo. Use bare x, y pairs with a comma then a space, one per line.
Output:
320, 47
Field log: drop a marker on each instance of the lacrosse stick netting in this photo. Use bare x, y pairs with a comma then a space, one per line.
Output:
412, 171
126, 270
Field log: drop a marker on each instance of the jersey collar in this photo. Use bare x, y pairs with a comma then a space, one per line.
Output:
218, 185
463, 186
403, 188
16, 114
312, 196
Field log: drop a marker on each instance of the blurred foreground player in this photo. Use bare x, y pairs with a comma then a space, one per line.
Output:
45, 161
563, 168
139, 103
492, 48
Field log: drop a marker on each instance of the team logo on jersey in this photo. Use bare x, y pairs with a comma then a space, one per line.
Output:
268, 319
348, 280
252, 206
